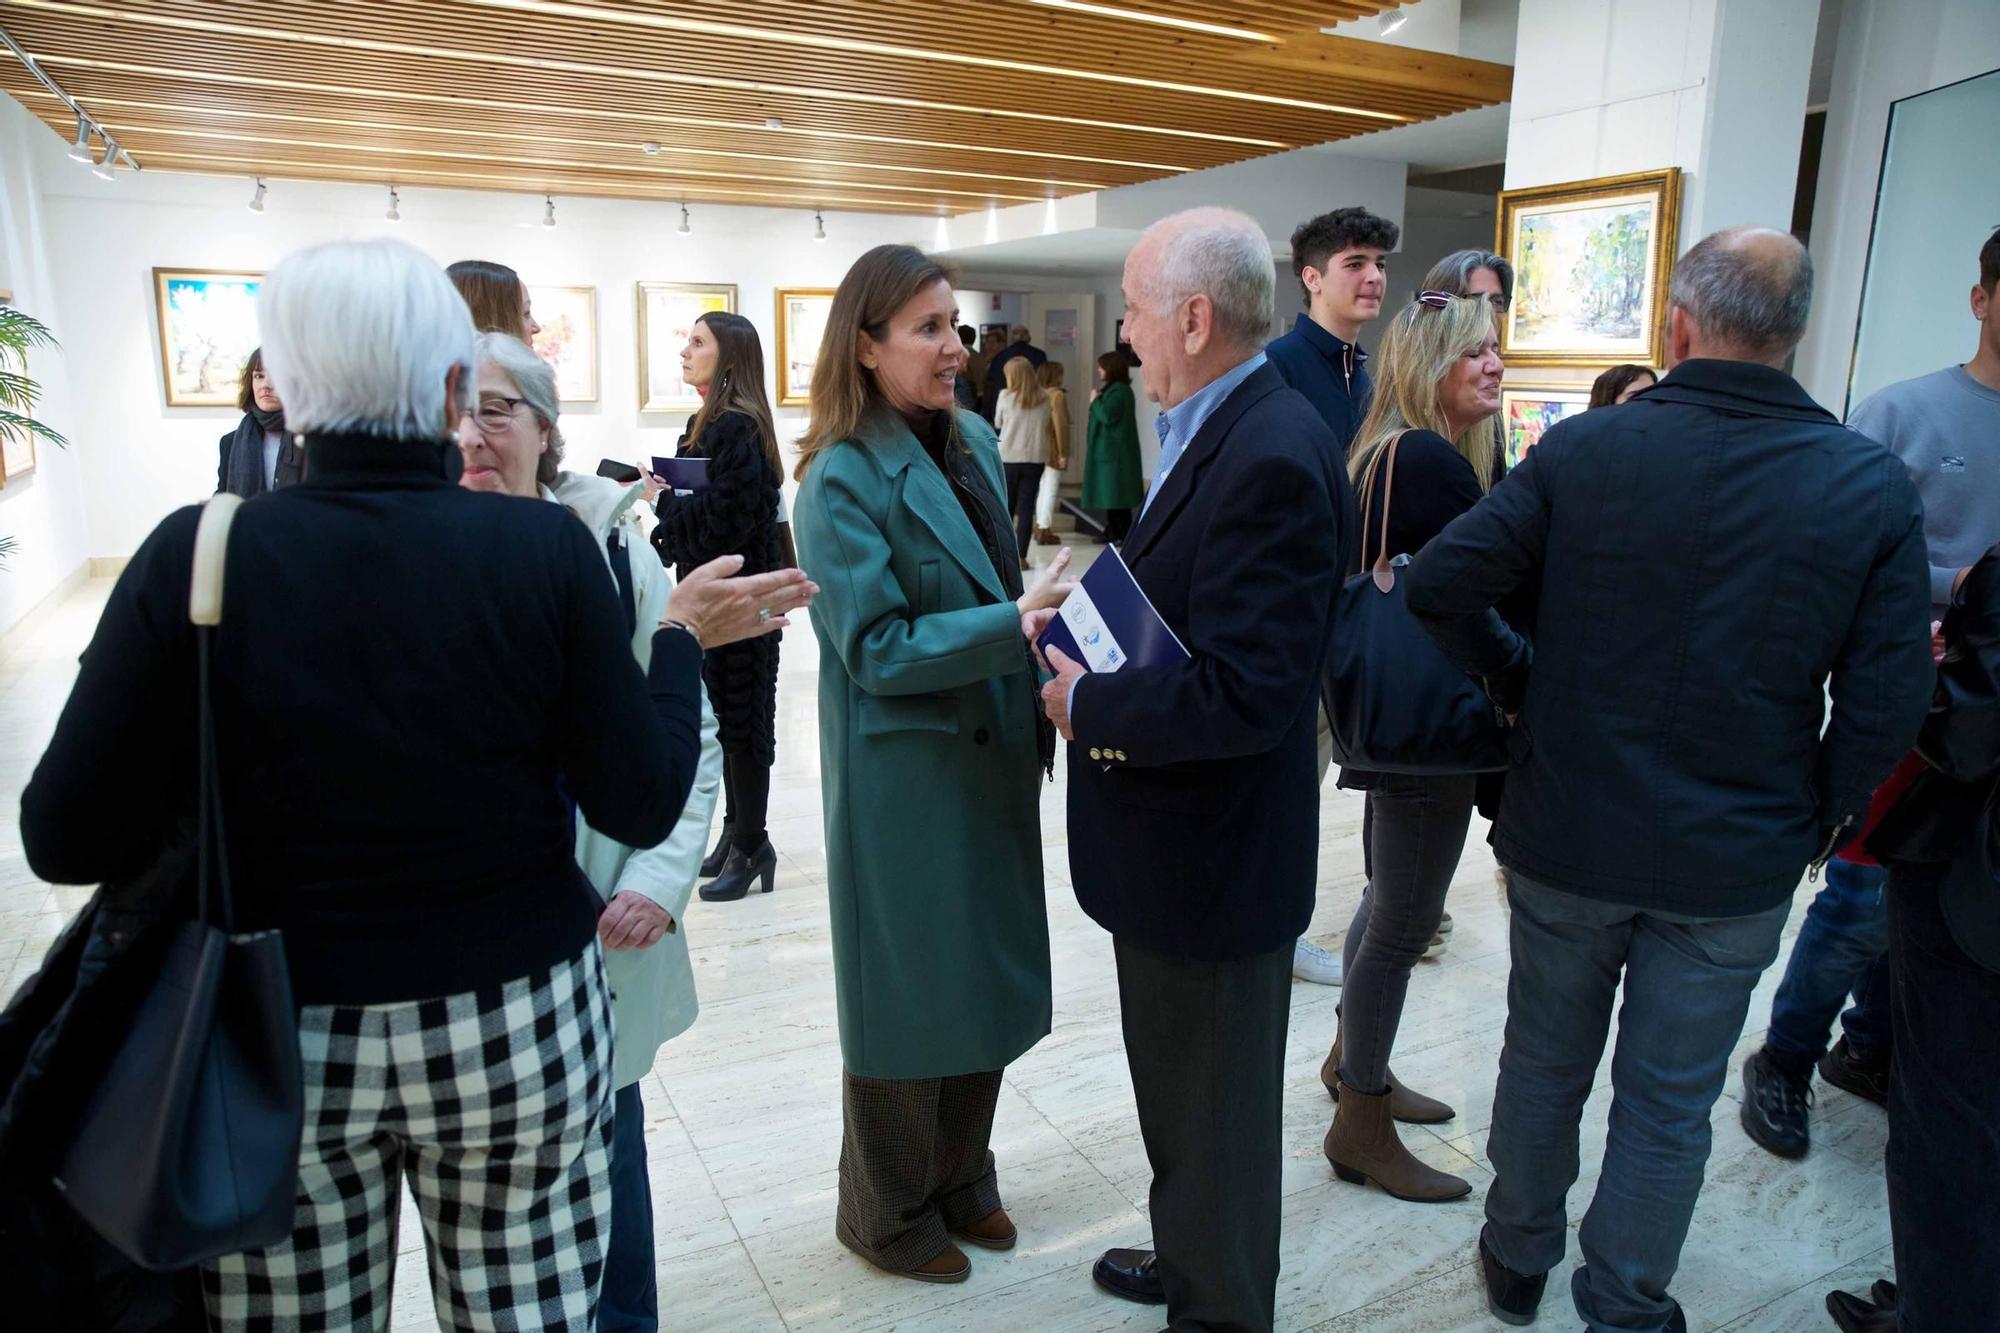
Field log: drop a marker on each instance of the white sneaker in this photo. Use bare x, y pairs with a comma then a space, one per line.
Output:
1314, 964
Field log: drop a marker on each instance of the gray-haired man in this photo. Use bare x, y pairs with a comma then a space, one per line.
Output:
1708, 555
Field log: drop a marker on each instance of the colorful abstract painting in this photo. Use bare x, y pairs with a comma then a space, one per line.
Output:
568, 340
207, 325
667, 312
1527, 411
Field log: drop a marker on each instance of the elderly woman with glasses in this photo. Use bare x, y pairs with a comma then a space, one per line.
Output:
1437, 387
416, 689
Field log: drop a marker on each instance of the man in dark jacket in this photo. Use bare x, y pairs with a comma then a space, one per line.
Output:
996, 369
1193, 818
1707, 555
1341, 261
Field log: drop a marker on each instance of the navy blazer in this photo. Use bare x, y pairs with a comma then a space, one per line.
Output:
1193, 792
1330, 372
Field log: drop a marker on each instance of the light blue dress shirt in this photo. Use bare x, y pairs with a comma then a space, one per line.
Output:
1178, 425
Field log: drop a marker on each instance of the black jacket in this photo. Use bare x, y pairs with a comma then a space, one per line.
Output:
996, 373
291, 462
403, 670
1706, 557
1193, 805
1330, 372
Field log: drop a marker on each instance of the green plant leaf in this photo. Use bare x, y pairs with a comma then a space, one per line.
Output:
7, 547
14, 426
17, 390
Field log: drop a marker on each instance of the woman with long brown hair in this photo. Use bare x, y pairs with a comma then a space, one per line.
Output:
260, 454
497, 298
735, 514
932, 748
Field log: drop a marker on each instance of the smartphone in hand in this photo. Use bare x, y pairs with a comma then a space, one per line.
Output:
617, 471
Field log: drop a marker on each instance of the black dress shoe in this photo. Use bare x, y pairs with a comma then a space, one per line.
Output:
718, 858
1132, 1274
1775, 1102
1864, 1078
1884, 1293
740, 871
1854, 1315
1512, 1297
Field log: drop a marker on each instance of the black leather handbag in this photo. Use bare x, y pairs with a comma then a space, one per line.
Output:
1394, 702
188, 1149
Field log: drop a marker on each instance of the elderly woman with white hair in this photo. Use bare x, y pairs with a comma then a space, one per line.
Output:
412, 685
512, 445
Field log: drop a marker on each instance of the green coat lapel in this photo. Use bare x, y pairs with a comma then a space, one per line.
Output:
929, 496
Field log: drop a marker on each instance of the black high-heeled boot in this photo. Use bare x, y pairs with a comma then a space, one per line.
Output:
718, 858
742, 869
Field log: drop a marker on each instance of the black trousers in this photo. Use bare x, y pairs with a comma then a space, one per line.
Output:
746, 799
914, 1164
1024, 480
1944, 1116
1206, 1045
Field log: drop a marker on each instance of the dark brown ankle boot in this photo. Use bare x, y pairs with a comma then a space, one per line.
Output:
1363, 1146
1412, 1108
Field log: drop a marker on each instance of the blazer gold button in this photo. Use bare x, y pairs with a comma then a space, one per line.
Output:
1121, 756
1096, 753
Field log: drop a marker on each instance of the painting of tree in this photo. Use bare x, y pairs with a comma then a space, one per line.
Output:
1591, 262
207, 328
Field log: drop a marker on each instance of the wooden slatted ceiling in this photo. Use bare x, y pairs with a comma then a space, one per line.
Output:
883, 105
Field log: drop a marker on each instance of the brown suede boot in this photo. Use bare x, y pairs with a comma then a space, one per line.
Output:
1412, 1108
949, 1266
995, 1231
1363, 1146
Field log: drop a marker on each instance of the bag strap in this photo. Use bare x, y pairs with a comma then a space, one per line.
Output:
1385, 578
211, 547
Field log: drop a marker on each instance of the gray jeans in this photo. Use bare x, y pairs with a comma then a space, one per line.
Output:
1687, 983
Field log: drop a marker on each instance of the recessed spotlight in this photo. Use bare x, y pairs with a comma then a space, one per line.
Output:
650, 149
773, 123
257, 199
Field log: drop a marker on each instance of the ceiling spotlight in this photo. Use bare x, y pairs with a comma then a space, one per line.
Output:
773, 123
80, 150
1392, 20
819, 226
257, 199
548, 210
650, 149
684, 229
107, 167
395, 213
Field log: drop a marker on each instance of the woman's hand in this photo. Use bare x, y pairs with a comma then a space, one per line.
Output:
633, 921
1049, 587
653, 483
723, 609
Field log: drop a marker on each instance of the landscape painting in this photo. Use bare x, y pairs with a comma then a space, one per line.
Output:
667, 312
802, 313
207, 325
1528, 410
1592, 261
568, 340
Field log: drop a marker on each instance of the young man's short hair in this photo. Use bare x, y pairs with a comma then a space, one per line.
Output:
1325, 236
1989, 261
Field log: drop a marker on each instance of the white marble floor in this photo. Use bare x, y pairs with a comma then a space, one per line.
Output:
744, 1120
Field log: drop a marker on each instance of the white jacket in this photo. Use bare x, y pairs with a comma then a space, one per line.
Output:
652, 989
1025, 433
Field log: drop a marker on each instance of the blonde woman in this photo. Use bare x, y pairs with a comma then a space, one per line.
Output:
1022, 418
1437, 387
1051, 376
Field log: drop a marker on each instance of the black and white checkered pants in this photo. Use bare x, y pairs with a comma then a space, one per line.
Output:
497, 1105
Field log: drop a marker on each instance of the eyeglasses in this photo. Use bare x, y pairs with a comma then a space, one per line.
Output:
497, 412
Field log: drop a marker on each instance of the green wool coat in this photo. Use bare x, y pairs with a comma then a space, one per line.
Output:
1111, 477
928, 764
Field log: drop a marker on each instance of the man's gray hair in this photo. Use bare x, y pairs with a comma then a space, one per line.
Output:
1223, 255
536, 380
1751, 286
1454, 273
358, 337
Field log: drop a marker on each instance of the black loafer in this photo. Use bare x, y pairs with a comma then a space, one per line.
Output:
1868, 1079
1854, 1315
1884, 1293
1133, 1275
1512, 1297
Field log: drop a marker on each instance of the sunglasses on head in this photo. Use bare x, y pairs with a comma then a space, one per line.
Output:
1436, 300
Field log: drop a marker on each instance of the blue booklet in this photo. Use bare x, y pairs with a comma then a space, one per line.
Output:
685, 475
1107, 623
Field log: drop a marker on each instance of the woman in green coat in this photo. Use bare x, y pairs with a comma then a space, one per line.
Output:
1111, 461
932, 746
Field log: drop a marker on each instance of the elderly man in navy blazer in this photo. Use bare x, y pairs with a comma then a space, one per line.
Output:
1193, 814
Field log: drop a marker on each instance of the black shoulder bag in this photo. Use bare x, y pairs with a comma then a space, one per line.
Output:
189, 1147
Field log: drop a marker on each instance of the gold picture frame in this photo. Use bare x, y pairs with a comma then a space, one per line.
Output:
802, 313
667, 311
1528, 409
1592, 262
206, 321
568, 338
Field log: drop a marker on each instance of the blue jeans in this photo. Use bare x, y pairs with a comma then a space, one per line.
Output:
1687, 984
1842, 948
631, 1299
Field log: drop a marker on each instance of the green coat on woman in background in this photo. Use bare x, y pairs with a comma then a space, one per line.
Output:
1111, 477
929, 764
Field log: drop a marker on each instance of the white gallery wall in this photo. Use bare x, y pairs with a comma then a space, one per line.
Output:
138, 459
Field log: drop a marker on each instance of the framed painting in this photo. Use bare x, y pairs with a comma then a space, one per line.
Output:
802, 313
568, 340
207, 321
1528, 410
667, 312
1592, 260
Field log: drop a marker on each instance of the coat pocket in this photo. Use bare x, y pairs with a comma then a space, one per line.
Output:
879, 714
